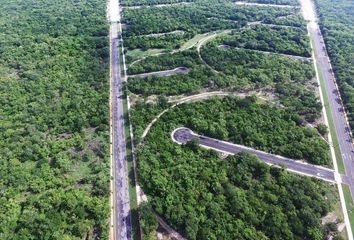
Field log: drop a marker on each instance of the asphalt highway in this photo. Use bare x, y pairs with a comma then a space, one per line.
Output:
336, 105
122, 218
183, 135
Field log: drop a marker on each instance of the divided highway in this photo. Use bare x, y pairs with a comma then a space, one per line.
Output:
184, 135
336, 105
121, 210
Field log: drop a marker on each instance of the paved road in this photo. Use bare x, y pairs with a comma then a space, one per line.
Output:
340, 123
122, 218
183, 135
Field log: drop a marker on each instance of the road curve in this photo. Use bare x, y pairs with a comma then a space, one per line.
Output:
184, 135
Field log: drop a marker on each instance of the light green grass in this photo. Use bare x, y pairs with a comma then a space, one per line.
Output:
193, 41
138, 53
332, 131
199, 37
349, 203
333, 196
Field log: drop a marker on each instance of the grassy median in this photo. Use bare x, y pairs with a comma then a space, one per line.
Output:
349, 203
332, 129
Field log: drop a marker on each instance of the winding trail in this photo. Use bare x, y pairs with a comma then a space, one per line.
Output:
196, 97
164, 73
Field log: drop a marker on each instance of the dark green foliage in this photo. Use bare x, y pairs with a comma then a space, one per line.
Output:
261, 69
168, 41
295, 20
246, 122
205, 197
198, 17
278, 2
322, 129
54, 170
298, 99
293, 41
187, 58
148, 220
150, 2
336, 22
142, 114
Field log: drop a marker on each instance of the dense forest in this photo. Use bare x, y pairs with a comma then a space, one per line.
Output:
167, 41
271, 129
238, 69
336, 22
198, 192
277, 2
54, 168
204, 197
293, 41
150, 2
200, 17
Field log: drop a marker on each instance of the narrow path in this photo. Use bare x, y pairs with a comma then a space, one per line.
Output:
176, 32
208, 36
165, 73
190, 99
174, 234
156, 5
264, 4
184, 135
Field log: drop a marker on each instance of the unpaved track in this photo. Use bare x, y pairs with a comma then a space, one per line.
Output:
165, 73
157, 5
264, 5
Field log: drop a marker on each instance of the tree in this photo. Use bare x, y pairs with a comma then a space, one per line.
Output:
322, 129
148, 220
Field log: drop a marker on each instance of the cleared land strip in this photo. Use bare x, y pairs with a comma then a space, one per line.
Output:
223, 46
192, 98
156, 6
183, 100
264, 5
165, 73
184, 135
176, 32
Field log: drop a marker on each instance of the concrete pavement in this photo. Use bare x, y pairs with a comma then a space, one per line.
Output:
184, 135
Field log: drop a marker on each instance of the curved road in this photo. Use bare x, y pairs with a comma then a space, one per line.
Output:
184, 135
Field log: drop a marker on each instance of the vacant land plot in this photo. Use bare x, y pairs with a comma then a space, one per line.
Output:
187, 204
235, 49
